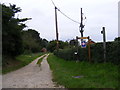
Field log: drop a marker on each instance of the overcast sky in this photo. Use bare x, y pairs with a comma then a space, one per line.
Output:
99, 13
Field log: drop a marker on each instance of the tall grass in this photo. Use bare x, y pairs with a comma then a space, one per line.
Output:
99, 75
40, 60
19, 62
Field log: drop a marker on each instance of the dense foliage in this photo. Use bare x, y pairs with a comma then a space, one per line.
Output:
52, 45
113, 54
15, 39
11, 31
32, 42
73, 42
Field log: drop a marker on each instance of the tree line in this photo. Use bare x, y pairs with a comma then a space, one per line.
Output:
16, 40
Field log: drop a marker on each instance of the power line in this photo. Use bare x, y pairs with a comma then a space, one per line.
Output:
64, 13
68, 17
53, 3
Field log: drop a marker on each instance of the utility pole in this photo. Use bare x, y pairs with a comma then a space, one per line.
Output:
81, 29
57, 44
104, 43
81, 25
77, 46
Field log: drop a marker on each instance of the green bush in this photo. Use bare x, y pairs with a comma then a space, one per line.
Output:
113, 54
69, 54
97, 53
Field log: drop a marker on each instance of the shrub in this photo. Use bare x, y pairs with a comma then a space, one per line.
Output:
97, 53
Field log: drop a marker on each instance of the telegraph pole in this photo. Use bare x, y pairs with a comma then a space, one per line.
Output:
57, 44
81, 29
81, 25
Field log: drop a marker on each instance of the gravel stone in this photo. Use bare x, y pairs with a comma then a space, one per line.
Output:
30, 76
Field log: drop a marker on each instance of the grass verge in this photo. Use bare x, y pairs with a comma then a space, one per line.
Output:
40, 60
99, 75
19, 61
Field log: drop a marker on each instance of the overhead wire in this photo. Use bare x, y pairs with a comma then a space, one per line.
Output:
53, 3
64, 13
68, 17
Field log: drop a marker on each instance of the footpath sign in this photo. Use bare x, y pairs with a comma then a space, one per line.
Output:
83, 44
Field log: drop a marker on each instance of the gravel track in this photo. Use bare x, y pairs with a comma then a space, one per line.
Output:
30, 76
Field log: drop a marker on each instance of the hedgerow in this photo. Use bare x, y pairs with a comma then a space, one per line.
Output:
97, 53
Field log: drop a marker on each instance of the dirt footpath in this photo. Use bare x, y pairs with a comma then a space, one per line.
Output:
0, 82
30, 76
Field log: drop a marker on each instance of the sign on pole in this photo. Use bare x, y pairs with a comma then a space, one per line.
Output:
83, 44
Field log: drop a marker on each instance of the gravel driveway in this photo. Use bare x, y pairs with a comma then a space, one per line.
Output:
30, 76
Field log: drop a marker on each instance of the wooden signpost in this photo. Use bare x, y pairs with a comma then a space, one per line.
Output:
89, 52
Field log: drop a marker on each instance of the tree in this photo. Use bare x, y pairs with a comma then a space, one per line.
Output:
11, 30
44, 43
117, 39
32, 41
73, 42
52, 45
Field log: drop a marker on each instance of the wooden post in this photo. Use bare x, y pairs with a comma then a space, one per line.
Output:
57, 43
77, 47
104, 42
81, 25
89, 52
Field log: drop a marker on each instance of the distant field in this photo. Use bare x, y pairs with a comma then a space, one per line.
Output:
83, 74
19, 62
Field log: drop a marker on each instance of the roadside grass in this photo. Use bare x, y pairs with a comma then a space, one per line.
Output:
0, 71
40, 60
19, 61
97, 75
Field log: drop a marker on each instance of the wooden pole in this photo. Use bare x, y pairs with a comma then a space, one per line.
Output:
89, 52
77, 46
57, 43
81, 25
104, 43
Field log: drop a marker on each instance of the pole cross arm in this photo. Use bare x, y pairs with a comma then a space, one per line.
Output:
82, 37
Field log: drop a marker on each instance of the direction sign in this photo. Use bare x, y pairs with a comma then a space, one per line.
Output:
83, 44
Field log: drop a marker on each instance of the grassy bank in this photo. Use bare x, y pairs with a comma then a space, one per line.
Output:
40, 60
19, 61
83, 74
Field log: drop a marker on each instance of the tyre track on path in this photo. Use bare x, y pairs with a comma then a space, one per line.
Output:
30, 76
